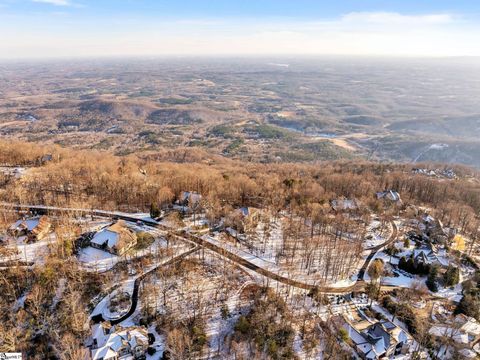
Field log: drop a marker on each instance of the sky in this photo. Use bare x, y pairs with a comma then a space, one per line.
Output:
97, 28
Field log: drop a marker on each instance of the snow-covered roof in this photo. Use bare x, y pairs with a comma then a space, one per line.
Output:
137, 337
389, 194
468, 354
375, 340
105, 237
110, 345
29, 224
99, 334
191, 196
116, 236
427, 255
398, 335
361, 343
469, 324
379, 337
104, 353
344, 204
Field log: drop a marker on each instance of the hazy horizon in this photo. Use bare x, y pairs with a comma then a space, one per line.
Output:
240, 57
83, 28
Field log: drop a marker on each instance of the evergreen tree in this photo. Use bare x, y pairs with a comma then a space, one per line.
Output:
470, 306
451, 276
432, 279
154, 210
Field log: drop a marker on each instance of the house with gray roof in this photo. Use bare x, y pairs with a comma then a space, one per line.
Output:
380, 340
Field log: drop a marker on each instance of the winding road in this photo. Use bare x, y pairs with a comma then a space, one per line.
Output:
136, 285
359, 285
201, 242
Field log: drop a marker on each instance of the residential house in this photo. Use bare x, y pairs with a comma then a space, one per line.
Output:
116, 239
344, 204
469, 326
117, 343
390, 195
433, 229
34, 229
46, 158
249, 217
447, 173
190, 199
464, 330
424, 171
379, 340
429, 255
15, 172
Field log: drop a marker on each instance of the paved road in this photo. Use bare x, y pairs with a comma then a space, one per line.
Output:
136, 285
358, 286
391, 239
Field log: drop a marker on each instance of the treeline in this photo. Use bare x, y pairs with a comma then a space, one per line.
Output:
134, 182
16, 153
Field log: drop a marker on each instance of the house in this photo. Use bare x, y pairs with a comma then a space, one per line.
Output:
46, 158
34, 229
190, 199
15, 172
389, 195
444, 331
240, 221
116, 239
433, 229
424, 171
117, 343
469, 326
378, 340
447, 173
428, 255
249, 217
344, 204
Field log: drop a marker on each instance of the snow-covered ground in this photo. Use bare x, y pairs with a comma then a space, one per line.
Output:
377, 234
93, 259
452, 293
97, 260
127, 285
265, 252
29, 252
217, 327
400, 281
202, 288
158, 345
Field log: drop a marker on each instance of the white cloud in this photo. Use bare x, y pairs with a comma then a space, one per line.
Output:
54, 2
392, 18
374, 33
